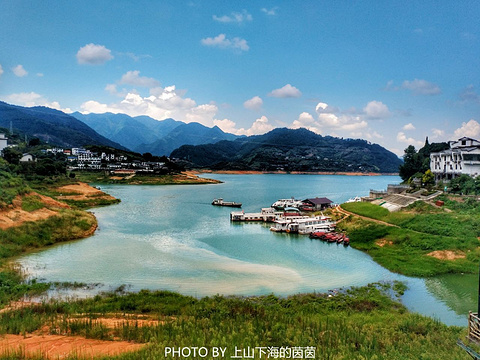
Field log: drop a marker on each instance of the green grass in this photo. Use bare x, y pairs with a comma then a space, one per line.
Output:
32, 203
421, 230
358, 323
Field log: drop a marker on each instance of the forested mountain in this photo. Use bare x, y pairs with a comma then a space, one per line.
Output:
191, 134
158, 137
126, 130
291, 150
51, 126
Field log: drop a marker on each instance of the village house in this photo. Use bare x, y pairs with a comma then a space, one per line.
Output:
463, 157
318, 203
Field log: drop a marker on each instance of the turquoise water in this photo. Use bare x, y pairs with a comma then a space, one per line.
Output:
171, 237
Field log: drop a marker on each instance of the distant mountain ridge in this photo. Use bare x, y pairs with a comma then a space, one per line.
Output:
158, 137
291, 150
51, 126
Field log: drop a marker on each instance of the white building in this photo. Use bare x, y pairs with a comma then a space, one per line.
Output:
463, 157
3, 142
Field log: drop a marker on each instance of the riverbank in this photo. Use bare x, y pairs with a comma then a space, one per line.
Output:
421, 240
252, 172
183, 178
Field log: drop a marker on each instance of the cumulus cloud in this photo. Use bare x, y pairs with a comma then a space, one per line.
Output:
409, 126
19, 71
133, 78
401, 137
288, 91
33, 99
93, 54
221, 41
376, 110
234, 17
162, 103
259, 126
270, 12
421, 87
254, 103
307, 121
333, 119
468, 129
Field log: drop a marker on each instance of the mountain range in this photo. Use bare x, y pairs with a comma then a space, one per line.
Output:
291, 150
144, 134
51, 126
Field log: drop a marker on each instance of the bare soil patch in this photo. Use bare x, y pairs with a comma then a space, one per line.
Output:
383, 242
447, 254
14, 215
59, 346
82, 191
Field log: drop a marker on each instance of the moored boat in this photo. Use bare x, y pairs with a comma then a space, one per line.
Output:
221, 202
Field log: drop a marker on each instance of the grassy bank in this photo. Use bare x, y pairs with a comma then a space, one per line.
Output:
143, 179
360, 323
425, 240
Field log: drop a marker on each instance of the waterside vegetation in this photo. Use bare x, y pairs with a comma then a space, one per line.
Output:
421, 240
358, 323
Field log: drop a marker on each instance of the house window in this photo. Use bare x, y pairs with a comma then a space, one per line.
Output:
464, 142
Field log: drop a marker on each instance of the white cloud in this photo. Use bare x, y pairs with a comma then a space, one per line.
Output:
259, 126
133, 78
468, 129
162, 103
305, 120
234, 17
33, 99
1, 70
226, 125
40, 74
288, 91
332, 119
401, 137
271, 12
19, 71
222, 42
438, 134
93, 54
421, 87
254, 103
376, 110
409, 126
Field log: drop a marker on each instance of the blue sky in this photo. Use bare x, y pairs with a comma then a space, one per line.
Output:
391, 72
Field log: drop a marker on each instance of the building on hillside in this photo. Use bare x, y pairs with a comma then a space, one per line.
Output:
27, 157
3, 143
463, 157
318, 203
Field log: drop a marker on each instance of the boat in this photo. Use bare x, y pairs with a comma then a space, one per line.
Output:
287, 203
221, 202
355, 199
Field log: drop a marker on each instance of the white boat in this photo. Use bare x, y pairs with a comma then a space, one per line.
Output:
303, 225
221, 202
285, 203
355, 199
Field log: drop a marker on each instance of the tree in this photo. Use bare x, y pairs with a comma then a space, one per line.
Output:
412, 163
428, 179
11, 155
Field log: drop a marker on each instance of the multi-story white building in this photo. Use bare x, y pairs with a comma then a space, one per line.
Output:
463, 157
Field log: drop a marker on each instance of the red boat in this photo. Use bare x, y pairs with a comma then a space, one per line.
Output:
346, 241
318, 235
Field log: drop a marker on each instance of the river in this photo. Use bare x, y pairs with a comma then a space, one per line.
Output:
172, 238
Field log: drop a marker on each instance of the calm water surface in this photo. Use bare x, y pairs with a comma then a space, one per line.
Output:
171, 237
